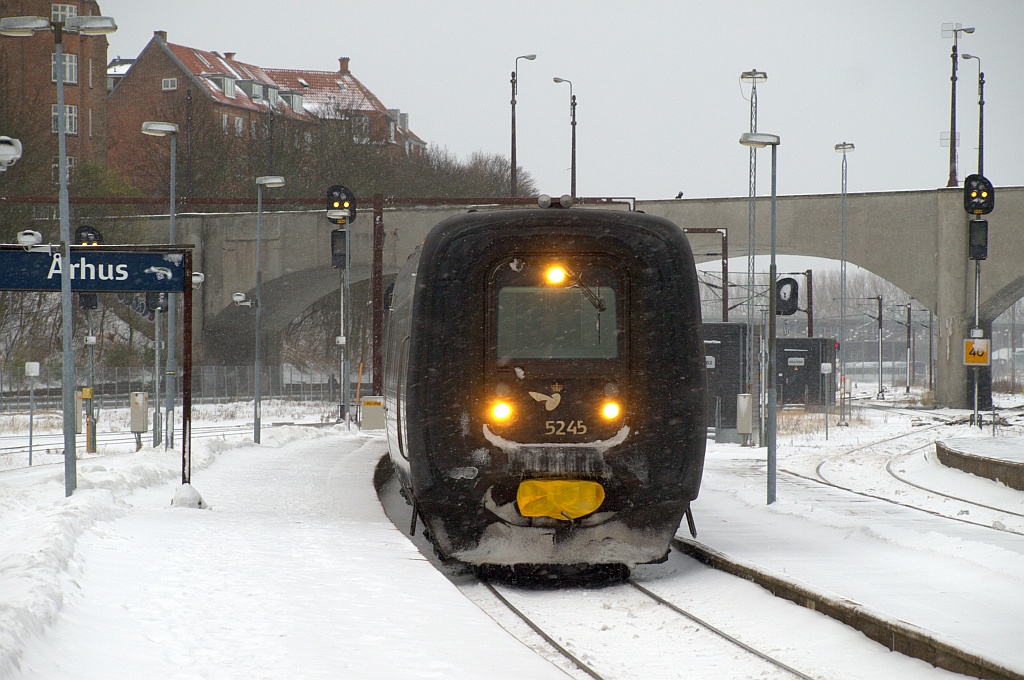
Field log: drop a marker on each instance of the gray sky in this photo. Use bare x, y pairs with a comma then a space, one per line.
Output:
660, 108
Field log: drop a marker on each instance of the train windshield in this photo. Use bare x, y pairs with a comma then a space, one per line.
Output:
576, 321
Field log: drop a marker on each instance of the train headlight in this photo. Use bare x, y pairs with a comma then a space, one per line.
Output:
610, 410
501, 411
555, 275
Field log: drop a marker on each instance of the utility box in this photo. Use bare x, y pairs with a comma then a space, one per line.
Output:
725, 358
140, 412
800, 379
372, 411
744, 414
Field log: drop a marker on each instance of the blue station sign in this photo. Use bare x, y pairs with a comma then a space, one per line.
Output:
94, 269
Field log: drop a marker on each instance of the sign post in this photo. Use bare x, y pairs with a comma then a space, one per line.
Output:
149, 268
976, 354
826, 371
31, 372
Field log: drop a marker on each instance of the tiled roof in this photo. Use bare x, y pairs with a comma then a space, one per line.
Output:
205, 66
324, 93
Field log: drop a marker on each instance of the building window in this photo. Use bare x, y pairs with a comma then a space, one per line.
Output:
257, 91
229, 87
70, 119
62, 12
55, 169
224, 120
361, 129
252, 128
272, 96
239, 126
167, 84
70, 69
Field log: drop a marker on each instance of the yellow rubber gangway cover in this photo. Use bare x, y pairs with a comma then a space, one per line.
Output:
563, 499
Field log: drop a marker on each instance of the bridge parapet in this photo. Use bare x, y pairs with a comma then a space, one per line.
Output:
915, 239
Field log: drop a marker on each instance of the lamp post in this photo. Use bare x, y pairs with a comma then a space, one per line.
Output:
266, 181
572, 117
759, 140
26, 26
956, 30
981, 114
753, 77
843, 148
528, 57
160, 129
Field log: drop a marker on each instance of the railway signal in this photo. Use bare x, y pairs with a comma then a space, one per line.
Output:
787, 297
977, 241
88, 236
341, 205
338, 248
979, 195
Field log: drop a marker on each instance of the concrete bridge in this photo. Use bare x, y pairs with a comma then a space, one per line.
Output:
917, 240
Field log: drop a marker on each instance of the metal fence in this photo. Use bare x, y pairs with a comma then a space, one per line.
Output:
210, 384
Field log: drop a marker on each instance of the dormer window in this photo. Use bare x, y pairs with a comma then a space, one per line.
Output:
293, 99
225, 83
257, 91
272, 97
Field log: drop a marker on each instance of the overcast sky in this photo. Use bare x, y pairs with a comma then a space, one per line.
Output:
660, 107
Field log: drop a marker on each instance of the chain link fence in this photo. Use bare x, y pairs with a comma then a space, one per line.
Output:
210, 385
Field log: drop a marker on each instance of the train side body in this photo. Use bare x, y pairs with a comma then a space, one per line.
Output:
471, 326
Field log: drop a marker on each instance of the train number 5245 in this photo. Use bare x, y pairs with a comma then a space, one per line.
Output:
560, 428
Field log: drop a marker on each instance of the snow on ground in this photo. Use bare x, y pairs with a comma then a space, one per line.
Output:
296, 572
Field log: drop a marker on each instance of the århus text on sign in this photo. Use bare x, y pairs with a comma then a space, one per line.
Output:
93, 269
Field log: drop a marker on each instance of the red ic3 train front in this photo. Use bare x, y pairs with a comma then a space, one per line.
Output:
545, 386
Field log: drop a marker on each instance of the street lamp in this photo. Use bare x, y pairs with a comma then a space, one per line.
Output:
843, 148
759, 140
10, 152
26, 26
753, 77
572, 117
528, 57
160, 129
955, 31
266, 181
981, 114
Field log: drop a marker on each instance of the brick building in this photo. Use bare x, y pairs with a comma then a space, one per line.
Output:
28, 93
231, 116
339, 97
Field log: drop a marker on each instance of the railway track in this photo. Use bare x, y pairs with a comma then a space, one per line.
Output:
613, 630
910, 493
115, 442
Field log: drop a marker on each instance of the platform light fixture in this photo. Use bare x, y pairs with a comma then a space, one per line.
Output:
759, 140
26, 26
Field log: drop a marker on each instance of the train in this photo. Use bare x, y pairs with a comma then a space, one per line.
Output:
544, 386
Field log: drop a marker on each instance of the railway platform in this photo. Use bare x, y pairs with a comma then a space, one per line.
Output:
999, 459
955, 582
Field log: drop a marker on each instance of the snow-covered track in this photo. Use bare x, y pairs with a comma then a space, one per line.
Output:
896, 635
123, 442
931, 501
605, 622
